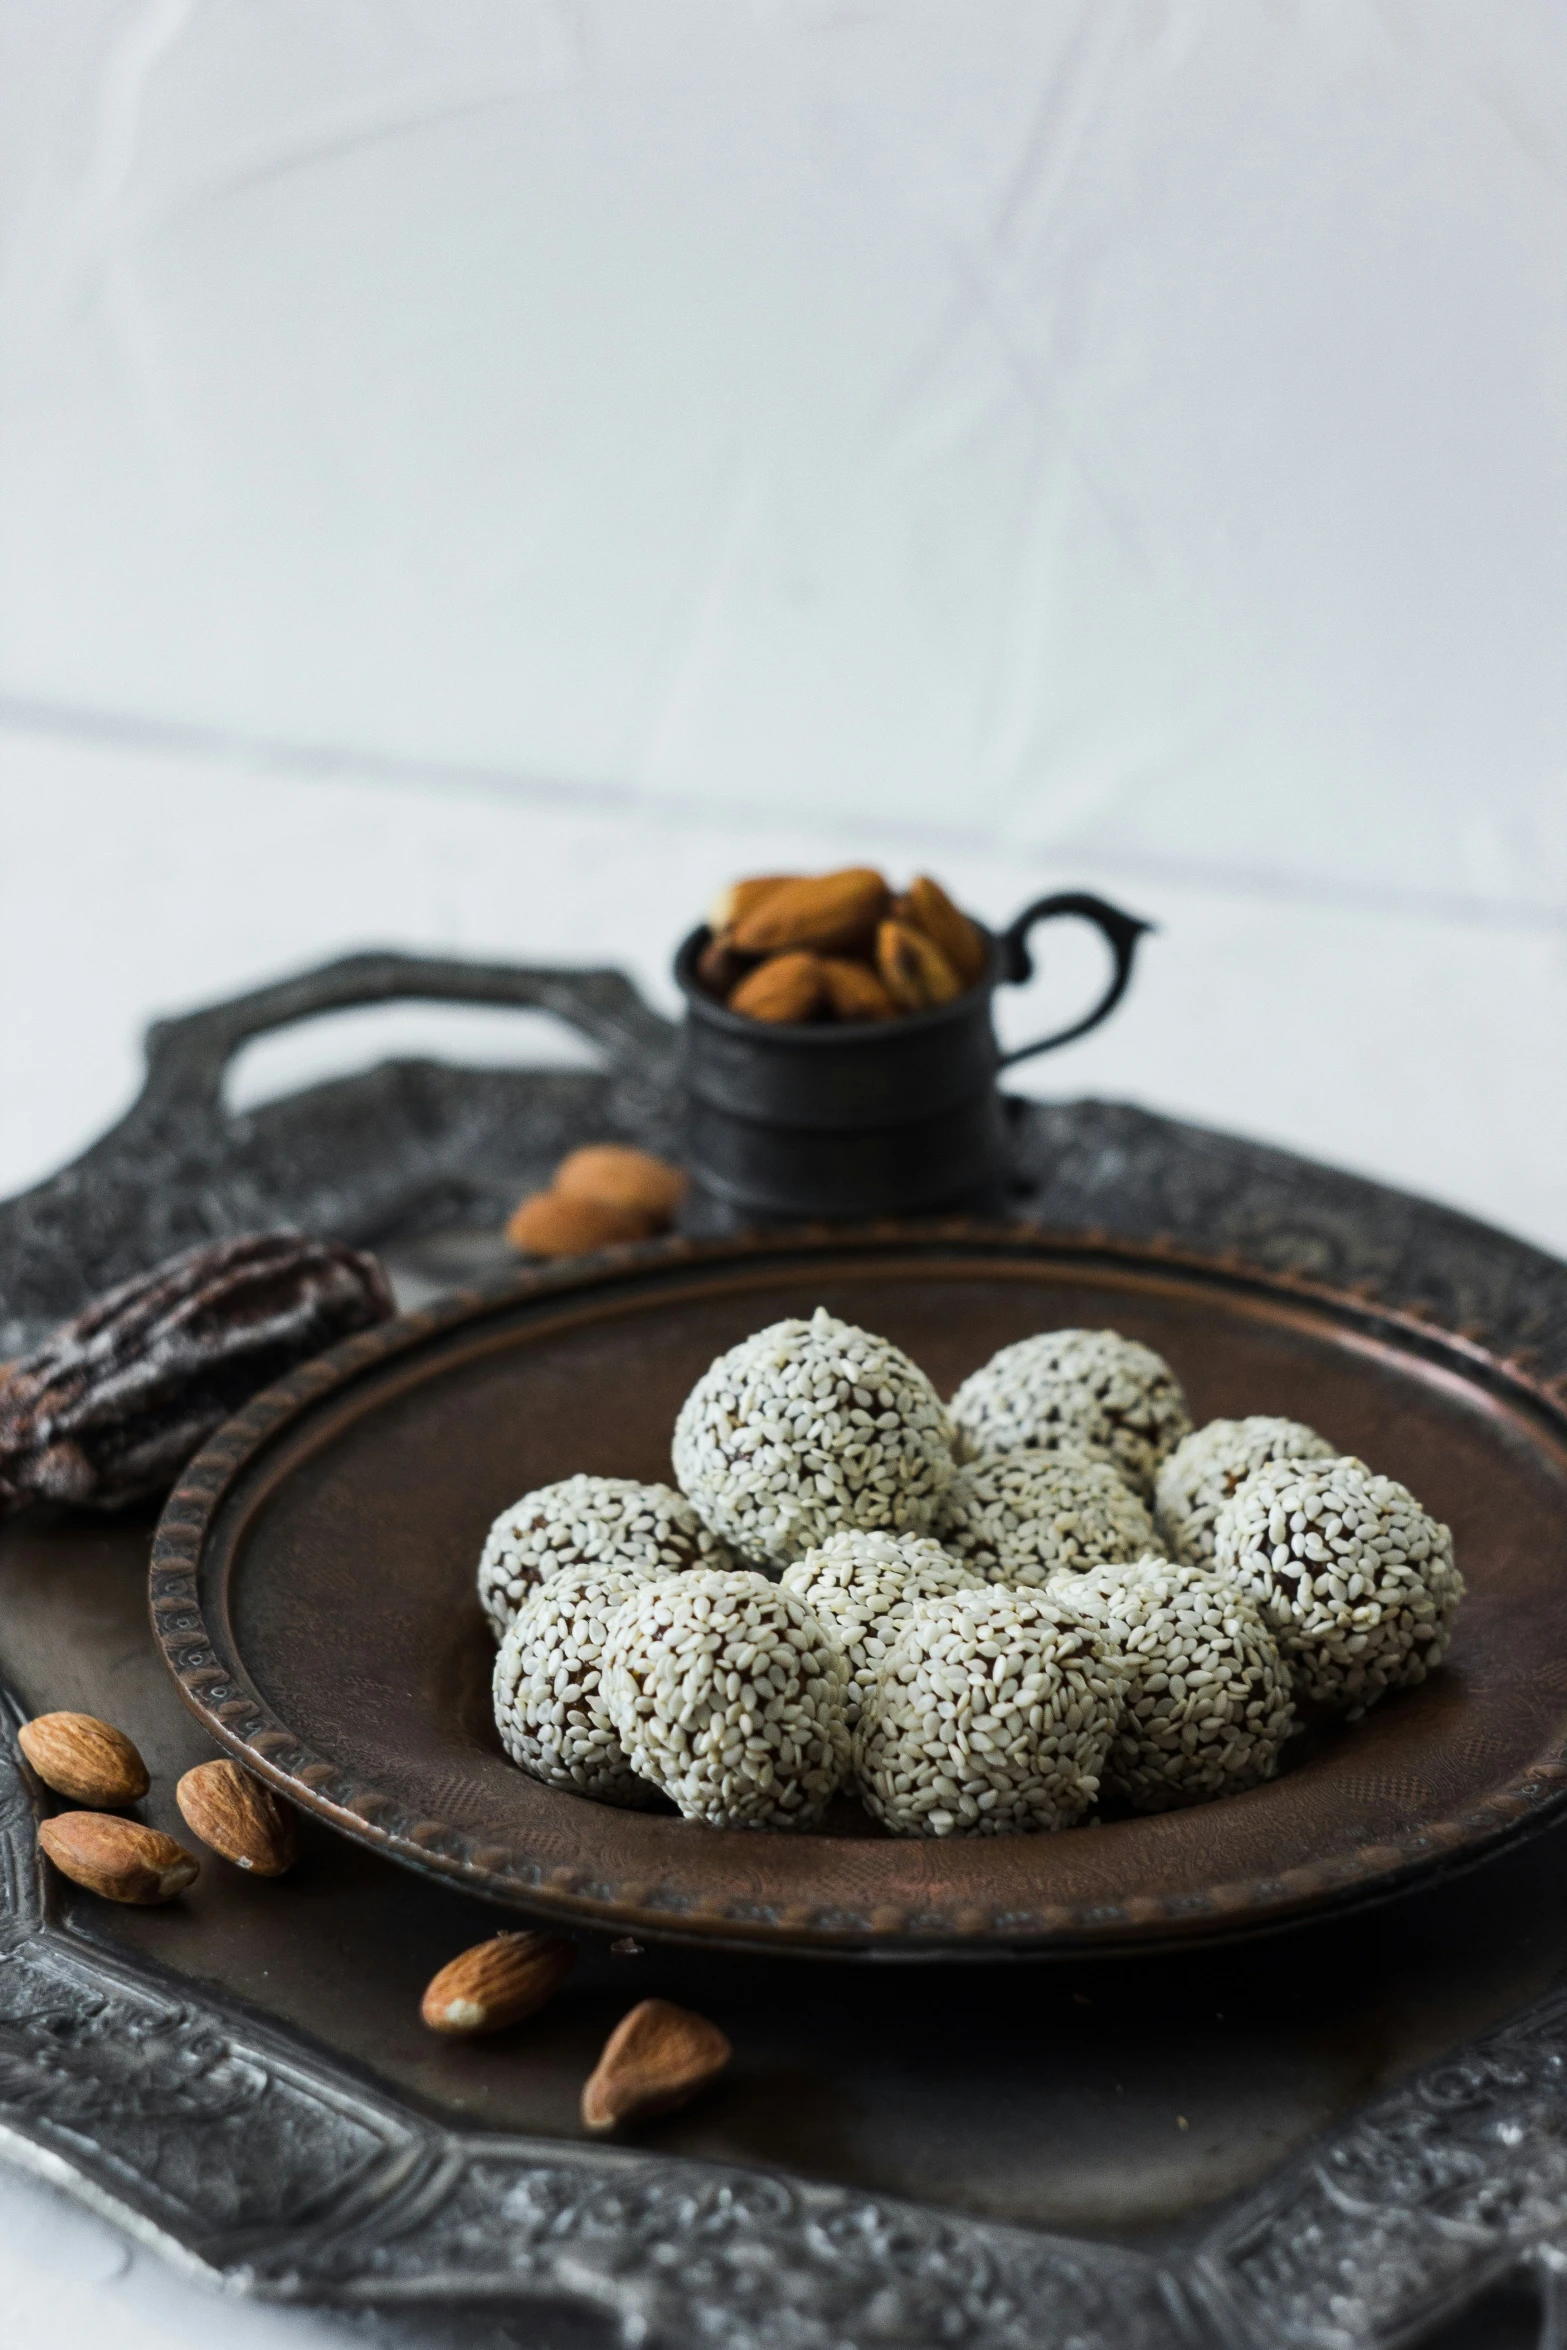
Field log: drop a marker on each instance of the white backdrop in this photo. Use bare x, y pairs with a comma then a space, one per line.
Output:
1130, 428
477, 473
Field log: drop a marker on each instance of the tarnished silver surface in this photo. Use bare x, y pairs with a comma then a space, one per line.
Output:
231, 2147
285, 2173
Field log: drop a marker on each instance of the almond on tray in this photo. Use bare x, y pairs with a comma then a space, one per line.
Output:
602, 1193
838, 947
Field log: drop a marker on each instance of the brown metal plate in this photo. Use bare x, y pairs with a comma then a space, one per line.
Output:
312, 1590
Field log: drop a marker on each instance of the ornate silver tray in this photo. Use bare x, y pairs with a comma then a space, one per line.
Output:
278, 2166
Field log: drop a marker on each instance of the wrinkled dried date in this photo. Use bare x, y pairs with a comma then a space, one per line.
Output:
114, 1404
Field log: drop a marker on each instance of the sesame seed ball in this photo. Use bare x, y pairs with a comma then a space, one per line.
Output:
992, 1716
647, 1530
1207, 1693
1357, 1582
1021, 1517
860, 1588
1206, 1467
810, 1429
1085, 1390
729, 1695
549, 1705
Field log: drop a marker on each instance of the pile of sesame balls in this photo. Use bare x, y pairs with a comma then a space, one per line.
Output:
983, 1618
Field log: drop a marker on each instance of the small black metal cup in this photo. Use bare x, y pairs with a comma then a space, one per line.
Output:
800, 1122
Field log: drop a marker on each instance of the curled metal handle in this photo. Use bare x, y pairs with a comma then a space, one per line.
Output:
1121, 932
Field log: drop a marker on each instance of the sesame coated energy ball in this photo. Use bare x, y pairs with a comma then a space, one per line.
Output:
1357, 1583
1206, 1467
648, 1530
1021, 1517
992, 1716
1207, 1693
1084, 1390
810, 1429
549, 1706
860, 1588
729, 1696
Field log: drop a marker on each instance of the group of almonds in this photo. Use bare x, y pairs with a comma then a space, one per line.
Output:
602, 1193
656, 2058
91, 1763
838, 946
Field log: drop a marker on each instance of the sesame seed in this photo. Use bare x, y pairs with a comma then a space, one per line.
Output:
861, 1587
1079, 1391
642, 1530
1188, 1734
1020, 1517
1003, 1772
759, 1744
775, 1451
1203, 1472
1384, 1618
549, 1706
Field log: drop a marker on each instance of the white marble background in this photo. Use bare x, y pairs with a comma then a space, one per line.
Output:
474, 476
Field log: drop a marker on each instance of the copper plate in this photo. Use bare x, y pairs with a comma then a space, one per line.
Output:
312, 1591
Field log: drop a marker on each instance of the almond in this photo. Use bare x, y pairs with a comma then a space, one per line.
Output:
833, 912
741, 896
916, 972
854, 992
552, 1224
930, 909
88, 1760
497, 1983
718, 966
238, 1817
656, 2058
790, 987
118, 1858
614, 1176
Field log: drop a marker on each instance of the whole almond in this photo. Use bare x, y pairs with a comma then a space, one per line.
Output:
497, 1983
741, 896
930, 909
238, 1817
88, 1760
118, 1858
854, 992
718, 966
656, 2058
790, 987
614, 1176
916, 973
552, 1224
832, 913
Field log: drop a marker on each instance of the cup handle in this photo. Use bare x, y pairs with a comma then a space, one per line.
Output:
1121, 931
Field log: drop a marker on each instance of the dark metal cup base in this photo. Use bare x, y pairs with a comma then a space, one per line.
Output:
784, 1173
708, 1215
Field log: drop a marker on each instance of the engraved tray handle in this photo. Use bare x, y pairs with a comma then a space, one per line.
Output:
445, 1144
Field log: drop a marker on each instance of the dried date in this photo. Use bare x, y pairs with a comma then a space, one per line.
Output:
111, 1407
